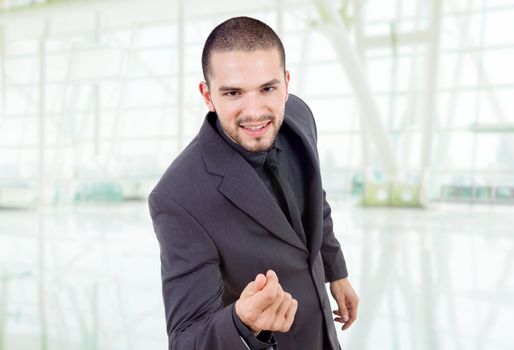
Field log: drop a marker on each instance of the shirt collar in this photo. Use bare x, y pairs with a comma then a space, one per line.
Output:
256, 159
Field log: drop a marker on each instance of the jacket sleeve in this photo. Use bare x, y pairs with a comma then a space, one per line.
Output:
331, 253
191, 281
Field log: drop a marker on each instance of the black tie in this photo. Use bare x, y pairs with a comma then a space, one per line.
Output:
285, 194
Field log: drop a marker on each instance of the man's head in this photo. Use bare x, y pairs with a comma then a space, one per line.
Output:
246, 83
240, 33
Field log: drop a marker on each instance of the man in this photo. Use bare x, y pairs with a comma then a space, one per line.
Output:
244, 229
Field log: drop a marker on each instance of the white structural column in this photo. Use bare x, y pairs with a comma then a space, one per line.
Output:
41, 189
431, 93
126, 65
181, 74
96, 116
96, 92
42, 115
359, 40
336, 31
279, 7
3, 308
300, 79
2, 72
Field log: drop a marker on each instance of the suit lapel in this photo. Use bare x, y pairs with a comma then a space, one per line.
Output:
243, 187
313, 217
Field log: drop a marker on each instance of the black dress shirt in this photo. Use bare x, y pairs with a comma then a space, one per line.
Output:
289, 154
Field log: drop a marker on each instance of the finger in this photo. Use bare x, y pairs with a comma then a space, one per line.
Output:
347, 324
271, 276
266, 317
279, 323
254, 286
267, 295
272, 286
338, 318
290, 314
352, 310
343, 311
281, 310
271, 310
260, 282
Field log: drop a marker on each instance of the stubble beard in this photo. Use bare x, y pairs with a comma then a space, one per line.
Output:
256, 144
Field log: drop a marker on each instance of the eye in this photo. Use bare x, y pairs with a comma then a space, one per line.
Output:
269, 88
231, 93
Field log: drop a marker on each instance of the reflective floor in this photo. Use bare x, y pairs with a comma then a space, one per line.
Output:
88, 278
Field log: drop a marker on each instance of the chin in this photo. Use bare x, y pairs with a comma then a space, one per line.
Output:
258, 146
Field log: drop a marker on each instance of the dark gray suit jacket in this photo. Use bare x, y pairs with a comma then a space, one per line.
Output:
218, 226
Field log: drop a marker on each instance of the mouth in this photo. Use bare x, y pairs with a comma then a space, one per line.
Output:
255, 129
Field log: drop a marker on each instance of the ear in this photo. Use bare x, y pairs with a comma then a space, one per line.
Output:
206, 94
287, 77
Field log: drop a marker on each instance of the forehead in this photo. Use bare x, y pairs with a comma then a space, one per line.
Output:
245, 66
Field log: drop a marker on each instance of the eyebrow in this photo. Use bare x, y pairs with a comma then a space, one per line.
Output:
231, 88
271, 82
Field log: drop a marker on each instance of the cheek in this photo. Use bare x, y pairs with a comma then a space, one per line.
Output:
227, 117
279, 104
279, 111
230, 112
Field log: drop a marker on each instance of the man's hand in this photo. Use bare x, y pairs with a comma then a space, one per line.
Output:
347, 302
263, 305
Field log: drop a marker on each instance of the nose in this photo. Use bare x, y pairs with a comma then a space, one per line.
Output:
253, 106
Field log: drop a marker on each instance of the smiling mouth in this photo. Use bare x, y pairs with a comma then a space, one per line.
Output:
255, 129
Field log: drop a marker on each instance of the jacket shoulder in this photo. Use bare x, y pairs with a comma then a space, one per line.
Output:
295, 104
299, 113
181, 173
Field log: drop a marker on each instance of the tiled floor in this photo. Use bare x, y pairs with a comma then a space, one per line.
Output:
428, 279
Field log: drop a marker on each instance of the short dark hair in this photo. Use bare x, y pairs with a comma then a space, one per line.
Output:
240, 33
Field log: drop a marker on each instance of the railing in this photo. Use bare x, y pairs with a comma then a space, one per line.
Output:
482, 194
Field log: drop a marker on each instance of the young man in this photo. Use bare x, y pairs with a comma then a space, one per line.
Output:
244, 229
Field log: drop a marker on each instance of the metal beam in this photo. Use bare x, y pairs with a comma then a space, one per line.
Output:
400, 39
432, 81
335, 29
493, 127
466, 42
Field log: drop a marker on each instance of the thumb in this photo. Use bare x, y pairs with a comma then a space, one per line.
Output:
259, 283
254, 286
271, 276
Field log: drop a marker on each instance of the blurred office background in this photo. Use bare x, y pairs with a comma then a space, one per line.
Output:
415, 112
